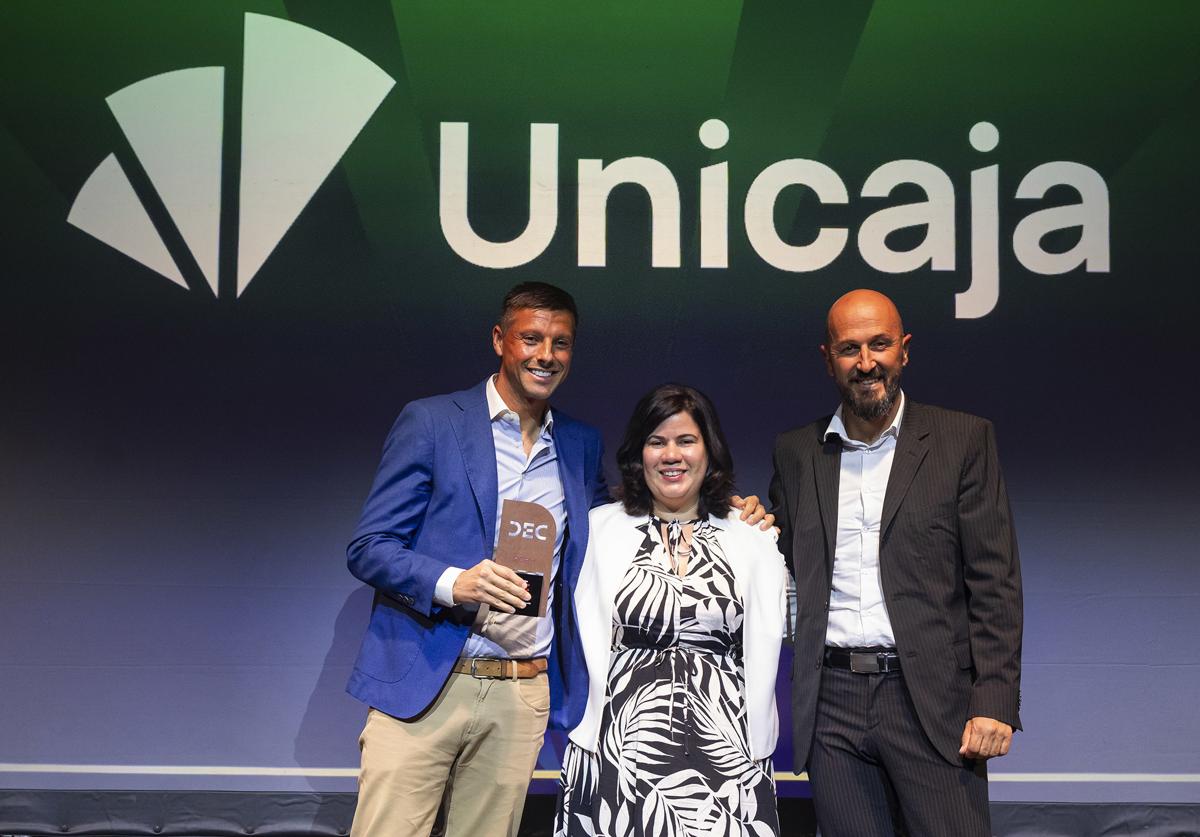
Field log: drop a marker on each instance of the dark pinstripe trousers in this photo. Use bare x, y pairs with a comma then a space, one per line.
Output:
874, 772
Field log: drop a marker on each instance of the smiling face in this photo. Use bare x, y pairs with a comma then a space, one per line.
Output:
675, 463
866, 353
535, 349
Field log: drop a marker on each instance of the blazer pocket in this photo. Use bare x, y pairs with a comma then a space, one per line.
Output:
935, 542
391, 646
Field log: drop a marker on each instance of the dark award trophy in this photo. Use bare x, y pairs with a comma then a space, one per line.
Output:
526, 545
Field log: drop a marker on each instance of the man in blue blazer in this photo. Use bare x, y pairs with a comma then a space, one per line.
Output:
460, 703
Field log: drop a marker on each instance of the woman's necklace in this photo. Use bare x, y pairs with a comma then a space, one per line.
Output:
682, 553
677, 537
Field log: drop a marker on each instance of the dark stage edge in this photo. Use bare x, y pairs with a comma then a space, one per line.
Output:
264, 814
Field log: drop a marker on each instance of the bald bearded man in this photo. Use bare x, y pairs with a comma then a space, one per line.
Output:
896, 524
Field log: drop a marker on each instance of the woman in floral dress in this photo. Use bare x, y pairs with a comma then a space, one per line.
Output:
681, 612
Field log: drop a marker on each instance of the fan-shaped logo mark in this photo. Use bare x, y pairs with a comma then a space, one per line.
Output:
305, 97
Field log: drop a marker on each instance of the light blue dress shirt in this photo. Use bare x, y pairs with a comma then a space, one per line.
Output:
533, 478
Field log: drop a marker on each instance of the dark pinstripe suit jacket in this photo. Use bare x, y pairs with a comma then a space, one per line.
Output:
947, 561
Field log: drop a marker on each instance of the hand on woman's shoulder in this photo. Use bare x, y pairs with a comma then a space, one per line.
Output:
751, 532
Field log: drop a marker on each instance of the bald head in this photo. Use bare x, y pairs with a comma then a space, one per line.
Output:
862, 307
865, 353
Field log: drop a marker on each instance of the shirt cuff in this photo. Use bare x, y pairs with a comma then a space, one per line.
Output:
443, 591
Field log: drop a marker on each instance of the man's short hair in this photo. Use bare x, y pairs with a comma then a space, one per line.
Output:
537, 295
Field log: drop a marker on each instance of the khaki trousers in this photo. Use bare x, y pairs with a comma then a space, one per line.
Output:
477, 745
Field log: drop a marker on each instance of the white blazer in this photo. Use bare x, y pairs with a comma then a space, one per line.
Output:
761, 575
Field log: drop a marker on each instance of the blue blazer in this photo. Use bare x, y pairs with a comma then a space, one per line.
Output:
433, 506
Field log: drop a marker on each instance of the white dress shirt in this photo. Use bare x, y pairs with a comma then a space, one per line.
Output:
858, 616
533, 478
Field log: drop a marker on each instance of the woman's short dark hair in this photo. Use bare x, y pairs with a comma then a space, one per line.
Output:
653, 409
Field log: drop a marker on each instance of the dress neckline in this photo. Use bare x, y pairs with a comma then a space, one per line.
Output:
660, 521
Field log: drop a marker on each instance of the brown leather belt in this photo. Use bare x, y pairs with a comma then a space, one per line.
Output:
491, 668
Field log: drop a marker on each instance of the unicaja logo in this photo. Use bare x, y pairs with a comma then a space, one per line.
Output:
305, 97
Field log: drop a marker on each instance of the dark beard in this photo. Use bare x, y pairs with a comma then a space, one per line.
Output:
872, 409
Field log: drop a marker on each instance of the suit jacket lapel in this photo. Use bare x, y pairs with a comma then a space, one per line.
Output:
827, 472
911, 448
570, 472
473, 428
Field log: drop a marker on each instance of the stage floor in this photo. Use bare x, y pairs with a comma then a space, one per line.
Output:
275, 814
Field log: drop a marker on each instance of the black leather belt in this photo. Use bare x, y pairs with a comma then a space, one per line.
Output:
863, 660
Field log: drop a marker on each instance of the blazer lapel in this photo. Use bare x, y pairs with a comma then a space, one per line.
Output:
473, 429
614, 563
826, 466
570, 473
911, 448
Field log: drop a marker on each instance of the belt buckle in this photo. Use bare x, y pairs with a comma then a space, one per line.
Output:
864, 663
475, 671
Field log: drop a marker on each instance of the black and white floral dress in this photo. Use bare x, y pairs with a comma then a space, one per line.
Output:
673, 754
